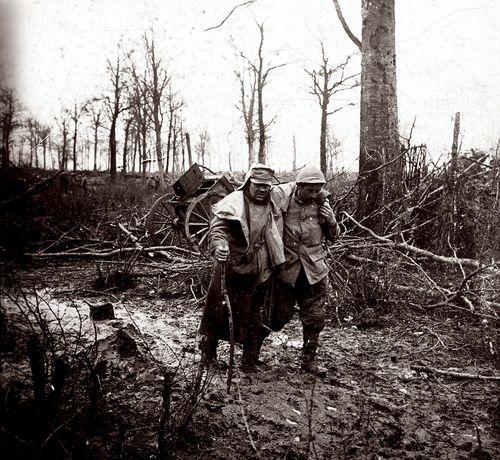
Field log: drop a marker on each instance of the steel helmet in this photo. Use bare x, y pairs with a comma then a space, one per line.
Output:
310, 175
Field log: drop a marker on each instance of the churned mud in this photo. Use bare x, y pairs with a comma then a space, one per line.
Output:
372, 404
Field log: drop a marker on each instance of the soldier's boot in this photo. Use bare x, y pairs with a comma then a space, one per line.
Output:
258, 345
309, 354
208, 348
251, 349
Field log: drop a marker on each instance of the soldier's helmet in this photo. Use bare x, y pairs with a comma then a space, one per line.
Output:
259, 174
310, 175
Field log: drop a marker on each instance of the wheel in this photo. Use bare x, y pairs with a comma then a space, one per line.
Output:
165, 222
197, 220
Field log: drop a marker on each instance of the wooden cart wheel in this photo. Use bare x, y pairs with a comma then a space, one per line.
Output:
197, 220
165, 222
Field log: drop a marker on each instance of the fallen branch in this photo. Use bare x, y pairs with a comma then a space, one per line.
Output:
104, 254
459, 375
457, 307
134, 239
422, 252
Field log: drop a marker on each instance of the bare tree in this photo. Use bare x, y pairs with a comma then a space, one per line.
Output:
324, 87
261, 72
128, 123
95, 112
174, 105
44, 140
379, 140
77, 112
9, 118
139, 108
33, 128
247, 108
333, 149
62, 122
115, 106
201, 148
158, 80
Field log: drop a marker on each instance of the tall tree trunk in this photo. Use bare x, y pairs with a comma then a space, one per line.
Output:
169, 139
134, 155
161, 169
294, 162
112, 150
183, 152
188, 145
64, 155
44, 147
143, 145
125, 146
453, 181
262, 128
74, 145
379, 141
95, 147
322, 136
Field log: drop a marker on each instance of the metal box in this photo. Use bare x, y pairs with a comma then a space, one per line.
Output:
189, 182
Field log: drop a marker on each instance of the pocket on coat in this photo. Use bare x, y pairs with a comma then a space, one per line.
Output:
317, 256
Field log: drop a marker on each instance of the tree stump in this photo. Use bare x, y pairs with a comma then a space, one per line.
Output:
102, 312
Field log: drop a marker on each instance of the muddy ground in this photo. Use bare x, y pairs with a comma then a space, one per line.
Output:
371, 404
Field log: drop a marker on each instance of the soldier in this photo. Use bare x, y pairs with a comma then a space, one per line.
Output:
307, 220
245, 239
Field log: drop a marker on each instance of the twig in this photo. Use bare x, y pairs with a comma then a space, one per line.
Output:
240, 402
422, 252
459, 375
229, 14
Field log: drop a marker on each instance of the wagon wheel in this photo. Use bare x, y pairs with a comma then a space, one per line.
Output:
197, 220
164, 223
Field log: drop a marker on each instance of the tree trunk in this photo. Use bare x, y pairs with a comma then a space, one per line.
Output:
125, 146
169, 139
453, 181
183, 151
64, 149
134, 155
143, 145
112, 150
44, 147
161, 169
74, 145
262, 128
294, 161
95, 147
324, 119
379, 141
188, 145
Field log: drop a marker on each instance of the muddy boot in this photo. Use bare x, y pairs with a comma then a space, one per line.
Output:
251, 349
309, 352
258, 346
208, 350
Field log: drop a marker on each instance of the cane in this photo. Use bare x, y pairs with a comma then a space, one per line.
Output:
227, 304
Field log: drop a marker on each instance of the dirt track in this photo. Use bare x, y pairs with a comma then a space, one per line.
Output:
372, 405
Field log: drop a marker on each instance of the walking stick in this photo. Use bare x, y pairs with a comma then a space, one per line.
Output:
226, 303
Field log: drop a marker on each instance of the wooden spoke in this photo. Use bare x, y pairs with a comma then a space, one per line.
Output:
163, 223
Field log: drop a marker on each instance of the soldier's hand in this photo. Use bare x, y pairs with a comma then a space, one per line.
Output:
326, 211
221, 253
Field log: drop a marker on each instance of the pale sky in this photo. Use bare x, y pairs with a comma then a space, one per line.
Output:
448, 60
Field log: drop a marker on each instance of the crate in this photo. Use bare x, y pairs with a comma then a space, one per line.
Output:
189, 182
